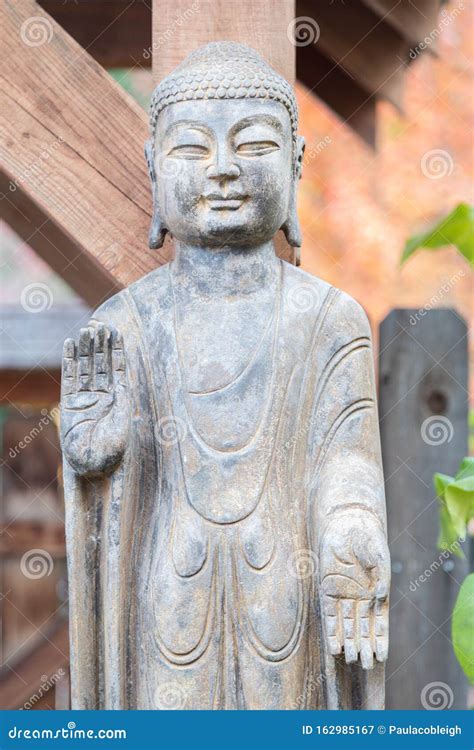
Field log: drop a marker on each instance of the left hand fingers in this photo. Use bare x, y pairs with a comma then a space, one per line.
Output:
380, 627
349, 624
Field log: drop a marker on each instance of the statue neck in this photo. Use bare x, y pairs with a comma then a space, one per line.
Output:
227, 271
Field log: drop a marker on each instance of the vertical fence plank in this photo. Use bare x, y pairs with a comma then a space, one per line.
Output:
423, 424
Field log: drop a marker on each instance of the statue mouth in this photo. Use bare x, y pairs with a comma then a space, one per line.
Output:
219, 202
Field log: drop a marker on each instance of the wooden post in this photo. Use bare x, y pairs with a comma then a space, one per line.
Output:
423, 423
184, 25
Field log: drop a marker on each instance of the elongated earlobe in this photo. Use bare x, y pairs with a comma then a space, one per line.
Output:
291, 227
157, 233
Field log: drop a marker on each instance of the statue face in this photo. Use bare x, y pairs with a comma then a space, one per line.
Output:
224, 170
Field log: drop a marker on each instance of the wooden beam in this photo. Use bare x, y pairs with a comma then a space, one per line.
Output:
354, 38
340, 92
413, 19
73, 152
117, 33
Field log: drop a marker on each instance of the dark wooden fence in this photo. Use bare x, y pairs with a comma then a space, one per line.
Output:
423, 407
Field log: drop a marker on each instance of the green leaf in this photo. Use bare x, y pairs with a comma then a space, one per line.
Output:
441, 481
457, 228
459, 497
466, 468
449, 534
448, 538
462, 627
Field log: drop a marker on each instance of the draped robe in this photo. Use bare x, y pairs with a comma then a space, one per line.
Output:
194, 565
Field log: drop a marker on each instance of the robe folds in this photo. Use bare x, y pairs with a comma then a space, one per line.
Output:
194, 564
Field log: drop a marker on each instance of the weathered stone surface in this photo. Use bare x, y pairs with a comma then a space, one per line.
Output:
225, 503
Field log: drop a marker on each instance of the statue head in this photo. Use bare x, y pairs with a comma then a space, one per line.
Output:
224, 156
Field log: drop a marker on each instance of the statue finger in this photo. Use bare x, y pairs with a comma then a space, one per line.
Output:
366, 645
348, 607
102, 359
381, 630
84, 373
332, 624
118, 359
68, 379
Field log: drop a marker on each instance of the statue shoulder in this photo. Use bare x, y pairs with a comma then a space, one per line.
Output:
303, 290
350, 313
114, 311
310, 294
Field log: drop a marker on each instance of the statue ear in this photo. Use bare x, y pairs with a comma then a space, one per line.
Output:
291, 227
157, 233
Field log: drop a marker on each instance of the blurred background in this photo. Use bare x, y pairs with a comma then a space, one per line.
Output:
367, 187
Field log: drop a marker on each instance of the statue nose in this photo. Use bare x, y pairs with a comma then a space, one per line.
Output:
221, 170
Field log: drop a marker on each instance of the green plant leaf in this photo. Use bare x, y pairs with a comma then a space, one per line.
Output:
462, 627
466, 468
459, 497
448, 537
441, 481
457, 228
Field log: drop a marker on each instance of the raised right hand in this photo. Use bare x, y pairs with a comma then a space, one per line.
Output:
95, 410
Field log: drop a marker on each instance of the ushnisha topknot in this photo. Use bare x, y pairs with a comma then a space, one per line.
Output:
223, 70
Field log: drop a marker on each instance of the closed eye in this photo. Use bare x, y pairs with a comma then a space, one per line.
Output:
257, 148
189, 151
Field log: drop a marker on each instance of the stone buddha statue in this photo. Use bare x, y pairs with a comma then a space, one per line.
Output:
224, 491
